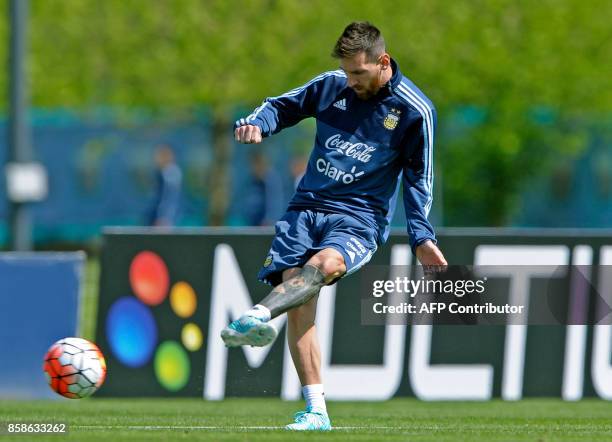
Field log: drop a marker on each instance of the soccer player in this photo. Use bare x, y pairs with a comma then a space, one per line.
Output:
374, 129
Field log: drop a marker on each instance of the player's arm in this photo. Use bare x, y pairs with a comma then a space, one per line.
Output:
417, 179
277, 113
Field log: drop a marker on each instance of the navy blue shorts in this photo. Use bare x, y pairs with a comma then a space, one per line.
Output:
300, 234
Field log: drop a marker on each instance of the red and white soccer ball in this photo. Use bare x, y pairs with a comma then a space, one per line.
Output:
74, 367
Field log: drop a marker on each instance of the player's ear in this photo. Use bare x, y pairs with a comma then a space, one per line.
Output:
385, 61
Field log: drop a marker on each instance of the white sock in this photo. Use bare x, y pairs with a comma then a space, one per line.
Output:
260, 312
314, 396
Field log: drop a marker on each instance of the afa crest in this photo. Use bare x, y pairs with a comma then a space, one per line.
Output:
268, 261
392, 119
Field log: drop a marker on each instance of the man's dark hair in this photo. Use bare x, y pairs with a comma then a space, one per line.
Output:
360, 36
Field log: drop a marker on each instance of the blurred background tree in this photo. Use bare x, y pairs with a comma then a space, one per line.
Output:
514, 81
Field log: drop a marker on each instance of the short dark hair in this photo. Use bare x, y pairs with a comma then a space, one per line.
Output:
360, 36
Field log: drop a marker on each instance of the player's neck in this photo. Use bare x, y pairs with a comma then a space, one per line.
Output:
386, 76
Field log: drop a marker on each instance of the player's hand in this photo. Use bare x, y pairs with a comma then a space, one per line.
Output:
430, 256
248, 134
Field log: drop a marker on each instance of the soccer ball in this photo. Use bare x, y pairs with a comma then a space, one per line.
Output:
74, 367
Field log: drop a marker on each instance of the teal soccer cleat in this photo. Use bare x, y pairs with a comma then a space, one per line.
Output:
248, 330
313, 419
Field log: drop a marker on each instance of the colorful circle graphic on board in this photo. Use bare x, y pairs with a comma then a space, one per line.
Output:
149, 278
191, 337
172, 366
131, 331
183, 299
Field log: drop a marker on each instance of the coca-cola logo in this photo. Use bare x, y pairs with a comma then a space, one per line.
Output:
359, 151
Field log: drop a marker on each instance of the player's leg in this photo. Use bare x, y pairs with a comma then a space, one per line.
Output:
306, 355
304, 344
253, 328
347, 246
302, 338
301, 329
304, 283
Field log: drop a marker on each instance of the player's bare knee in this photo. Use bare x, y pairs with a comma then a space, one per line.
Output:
332, 267
330, 263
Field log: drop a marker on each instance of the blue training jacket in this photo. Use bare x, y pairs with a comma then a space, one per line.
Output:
362, 149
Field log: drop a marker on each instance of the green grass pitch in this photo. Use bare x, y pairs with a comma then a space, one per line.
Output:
262, 420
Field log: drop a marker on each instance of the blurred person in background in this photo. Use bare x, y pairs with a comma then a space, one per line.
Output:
298, 169
264, 201
374, 130
168, 181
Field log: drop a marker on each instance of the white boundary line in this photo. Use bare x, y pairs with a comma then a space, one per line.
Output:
575, 429
207, 427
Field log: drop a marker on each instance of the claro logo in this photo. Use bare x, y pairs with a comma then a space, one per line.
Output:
336, 174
